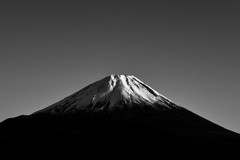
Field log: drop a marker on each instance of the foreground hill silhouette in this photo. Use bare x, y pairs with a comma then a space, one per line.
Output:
118, 110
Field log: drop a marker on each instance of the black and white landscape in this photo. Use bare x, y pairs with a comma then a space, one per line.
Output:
116, 110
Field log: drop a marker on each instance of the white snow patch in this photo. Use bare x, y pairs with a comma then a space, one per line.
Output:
112, 89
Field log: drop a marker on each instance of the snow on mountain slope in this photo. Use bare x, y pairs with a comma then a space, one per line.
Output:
110, 92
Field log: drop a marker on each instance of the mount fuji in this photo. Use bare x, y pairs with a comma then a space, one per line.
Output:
116, 110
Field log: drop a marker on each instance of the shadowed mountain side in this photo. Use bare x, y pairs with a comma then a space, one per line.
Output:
179, 127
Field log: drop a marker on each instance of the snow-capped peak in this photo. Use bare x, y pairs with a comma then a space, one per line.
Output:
113, 90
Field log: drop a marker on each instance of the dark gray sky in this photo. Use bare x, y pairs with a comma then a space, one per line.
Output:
186, 50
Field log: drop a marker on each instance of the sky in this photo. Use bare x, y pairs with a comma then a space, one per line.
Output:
189, 51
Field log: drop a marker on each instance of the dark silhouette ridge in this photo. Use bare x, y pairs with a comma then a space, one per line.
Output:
179, 126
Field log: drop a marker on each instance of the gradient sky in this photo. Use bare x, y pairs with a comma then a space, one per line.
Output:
188, 51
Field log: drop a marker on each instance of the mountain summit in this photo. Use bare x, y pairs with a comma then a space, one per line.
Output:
118, 109
109, 93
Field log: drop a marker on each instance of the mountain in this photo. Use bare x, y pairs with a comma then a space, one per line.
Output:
116, 110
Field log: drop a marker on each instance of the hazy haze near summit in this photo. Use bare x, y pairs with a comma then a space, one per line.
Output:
186, 50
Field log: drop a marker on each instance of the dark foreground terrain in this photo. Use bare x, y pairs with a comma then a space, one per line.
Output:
135, 129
